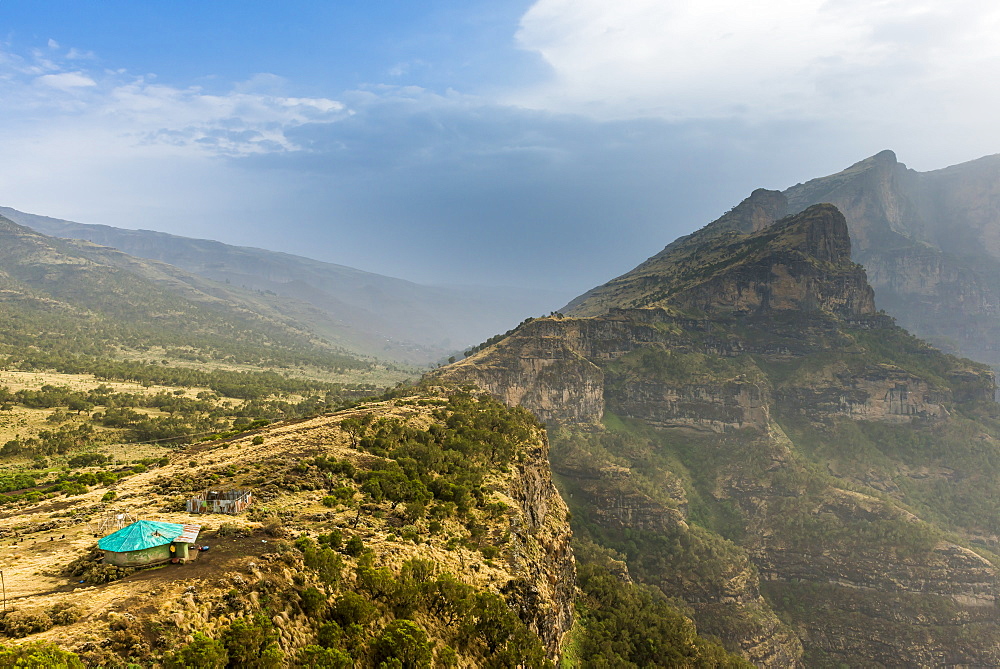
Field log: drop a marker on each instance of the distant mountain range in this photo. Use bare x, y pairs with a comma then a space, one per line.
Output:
363, 312
929, 242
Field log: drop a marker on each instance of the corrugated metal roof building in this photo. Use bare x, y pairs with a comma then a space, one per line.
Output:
147, 542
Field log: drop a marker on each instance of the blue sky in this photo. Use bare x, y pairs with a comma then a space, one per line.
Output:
553, 143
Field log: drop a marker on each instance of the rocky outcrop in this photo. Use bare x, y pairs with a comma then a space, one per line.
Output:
544, 371
887, 394
541, 554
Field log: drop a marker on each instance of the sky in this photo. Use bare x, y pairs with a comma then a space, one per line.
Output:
551, 144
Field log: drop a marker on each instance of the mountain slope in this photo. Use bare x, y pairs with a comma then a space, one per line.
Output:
374, 314
738, 421
64, 298
784, 266
930, 242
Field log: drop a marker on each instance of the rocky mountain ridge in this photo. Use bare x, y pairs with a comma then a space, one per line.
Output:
929, 243
739, 422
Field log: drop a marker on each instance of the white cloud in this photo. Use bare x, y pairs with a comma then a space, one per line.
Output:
66, 80
53, 44
762, 60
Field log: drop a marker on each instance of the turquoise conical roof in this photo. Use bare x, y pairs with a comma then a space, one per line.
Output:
140, 535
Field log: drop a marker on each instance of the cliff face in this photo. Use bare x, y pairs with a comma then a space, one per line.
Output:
543, 586
753, 437
930, 242
546, 372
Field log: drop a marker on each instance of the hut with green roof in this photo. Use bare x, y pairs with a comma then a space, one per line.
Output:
148, 542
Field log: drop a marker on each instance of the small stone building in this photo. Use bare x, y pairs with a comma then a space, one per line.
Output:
148, 542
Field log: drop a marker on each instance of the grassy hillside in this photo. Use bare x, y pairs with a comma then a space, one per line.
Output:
75, 307
386, 531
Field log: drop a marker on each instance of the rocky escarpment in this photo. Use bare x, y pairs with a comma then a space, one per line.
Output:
546, 372
757, 441
930, 242
885, 394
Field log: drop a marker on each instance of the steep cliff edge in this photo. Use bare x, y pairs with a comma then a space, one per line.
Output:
756, 440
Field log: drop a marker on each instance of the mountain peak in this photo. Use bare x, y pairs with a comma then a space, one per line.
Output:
886, 156
753, 214
802, 262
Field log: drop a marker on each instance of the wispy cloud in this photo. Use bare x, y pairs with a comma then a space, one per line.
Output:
66, 80
656, 117
250, 117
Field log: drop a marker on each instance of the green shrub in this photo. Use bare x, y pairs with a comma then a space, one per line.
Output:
351, 608
343, 493
252, 642
88, 460
405, 641
335, 539
323, 658
38, 655
313, 602
355, 546
203, 652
